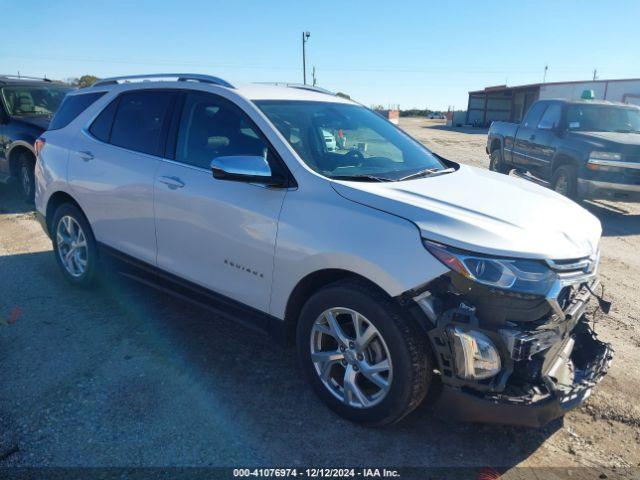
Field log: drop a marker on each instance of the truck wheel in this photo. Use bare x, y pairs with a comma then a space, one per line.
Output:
26, 177
565, 181
496, 164
363, 358
74, 246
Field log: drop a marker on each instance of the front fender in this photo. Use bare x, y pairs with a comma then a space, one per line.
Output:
331, 232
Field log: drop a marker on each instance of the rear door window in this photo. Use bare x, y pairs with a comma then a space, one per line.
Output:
140, 121
71, 107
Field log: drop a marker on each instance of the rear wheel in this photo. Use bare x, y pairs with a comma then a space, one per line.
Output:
362, 357
496, 163
565, 181
74, 245
26, 178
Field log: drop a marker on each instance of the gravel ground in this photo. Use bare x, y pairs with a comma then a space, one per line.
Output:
122, 376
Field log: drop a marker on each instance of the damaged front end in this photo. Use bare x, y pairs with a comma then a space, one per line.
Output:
512, 356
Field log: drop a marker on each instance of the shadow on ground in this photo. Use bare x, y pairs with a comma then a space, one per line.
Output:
616, 219
11, 200
122, 375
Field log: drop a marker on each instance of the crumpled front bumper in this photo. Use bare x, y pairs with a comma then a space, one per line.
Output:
579, 365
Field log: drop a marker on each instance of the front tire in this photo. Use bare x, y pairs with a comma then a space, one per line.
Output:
74, 246
565, 181
496, 163
363, 358
26, 177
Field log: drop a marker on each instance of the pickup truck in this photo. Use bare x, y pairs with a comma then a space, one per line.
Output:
583, 149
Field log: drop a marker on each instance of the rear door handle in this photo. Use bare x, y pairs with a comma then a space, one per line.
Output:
532, 137
86, 155
172, 182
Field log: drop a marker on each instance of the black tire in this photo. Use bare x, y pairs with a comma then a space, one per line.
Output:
496, 163
90, 274
405, 342
565, 181
26, 177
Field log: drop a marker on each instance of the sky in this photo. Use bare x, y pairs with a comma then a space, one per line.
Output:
418, 54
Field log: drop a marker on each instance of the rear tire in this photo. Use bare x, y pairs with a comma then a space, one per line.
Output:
26, 177
340, 364
565, 181
74, 246
496, 163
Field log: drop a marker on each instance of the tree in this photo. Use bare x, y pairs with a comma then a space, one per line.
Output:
85, 81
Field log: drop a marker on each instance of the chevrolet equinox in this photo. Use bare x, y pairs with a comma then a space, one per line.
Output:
314, 219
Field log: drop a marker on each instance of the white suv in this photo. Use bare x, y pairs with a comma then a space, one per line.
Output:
391, 268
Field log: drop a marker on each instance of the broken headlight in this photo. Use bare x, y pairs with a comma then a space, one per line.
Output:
476, 357
518, 275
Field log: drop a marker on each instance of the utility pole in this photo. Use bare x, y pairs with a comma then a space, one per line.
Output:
595, 74
313, 75
544, 77
305, 37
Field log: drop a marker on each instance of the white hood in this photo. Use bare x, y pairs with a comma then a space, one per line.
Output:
485, 212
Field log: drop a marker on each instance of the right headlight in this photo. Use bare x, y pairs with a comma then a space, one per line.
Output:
518, 275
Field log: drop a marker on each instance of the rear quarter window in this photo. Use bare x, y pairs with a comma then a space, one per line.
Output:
71, 107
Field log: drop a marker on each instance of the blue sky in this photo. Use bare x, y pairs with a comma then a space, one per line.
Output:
413, 53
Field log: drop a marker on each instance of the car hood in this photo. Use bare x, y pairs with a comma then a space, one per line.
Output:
609, 137
485, 212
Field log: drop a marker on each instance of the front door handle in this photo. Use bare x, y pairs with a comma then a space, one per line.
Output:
172, 182
532, 137
86, 155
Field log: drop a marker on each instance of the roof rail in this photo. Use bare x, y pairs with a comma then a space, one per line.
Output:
24, 77
182, 77
300, 86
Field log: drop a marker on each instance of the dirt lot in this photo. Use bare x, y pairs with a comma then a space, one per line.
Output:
123, 376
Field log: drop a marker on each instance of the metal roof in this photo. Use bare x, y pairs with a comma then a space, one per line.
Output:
501, 88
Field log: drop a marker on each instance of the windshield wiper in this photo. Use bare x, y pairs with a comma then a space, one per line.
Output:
626, 130
428, 172
358, 178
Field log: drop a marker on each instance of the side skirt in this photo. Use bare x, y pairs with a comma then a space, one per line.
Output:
154, 277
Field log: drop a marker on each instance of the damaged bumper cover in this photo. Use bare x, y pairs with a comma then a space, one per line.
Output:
581, 363
547, 365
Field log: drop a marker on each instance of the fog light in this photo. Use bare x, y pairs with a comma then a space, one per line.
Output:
476, 357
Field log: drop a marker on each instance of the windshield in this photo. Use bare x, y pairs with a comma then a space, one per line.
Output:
33, 100
349, 142
603, 118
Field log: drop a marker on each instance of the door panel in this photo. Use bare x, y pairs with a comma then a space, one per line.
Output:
114, 187
217, 233
220, 234
112, 170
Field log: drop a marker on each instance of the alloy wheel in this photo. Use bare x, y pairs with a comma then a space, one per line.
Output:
72, 246
351, 357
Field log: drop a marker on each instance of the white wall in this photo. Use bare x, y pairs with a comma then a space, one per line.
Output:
615, 91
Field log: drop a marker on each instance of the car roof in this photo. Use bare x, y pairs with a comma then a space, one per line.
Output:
20, 80
590, 102
250, 91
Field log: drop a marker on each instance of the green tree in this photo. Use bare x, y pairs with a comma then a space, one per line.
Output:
85, 81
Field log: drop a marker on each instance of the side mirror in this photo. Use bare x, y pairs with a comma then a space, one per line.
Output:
245, 168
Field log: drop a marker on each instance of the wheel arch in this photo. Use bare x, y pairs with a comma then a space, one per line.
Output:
563, 158
312, 283
55, 200
17, 149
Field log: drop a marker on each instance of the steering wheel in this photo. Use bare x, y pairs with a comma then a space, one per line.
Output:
356, 155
